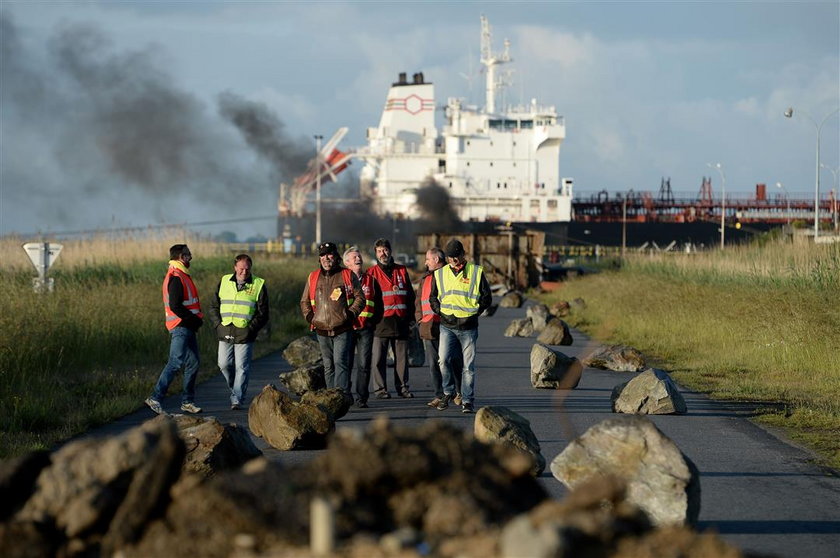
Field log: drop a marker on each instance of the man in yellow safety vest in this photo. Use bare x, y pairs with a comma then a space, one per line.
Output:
238, 311
460, 293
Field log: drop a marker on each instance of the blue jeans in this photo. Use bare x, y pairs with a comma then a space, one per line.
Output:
360, 362
183, 352
432, 351
336, 352
235, 364
463, 341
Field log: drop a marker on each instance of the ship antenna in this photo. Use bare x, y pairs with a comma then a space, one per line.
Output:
490, 61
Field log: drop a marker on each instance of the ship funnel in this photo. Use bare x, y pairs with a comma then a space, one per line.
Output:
401, 80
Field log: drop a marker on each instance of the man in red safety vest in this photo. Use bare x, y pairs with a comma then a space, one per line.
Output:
363, 327
395, 326
183, 318
429, 326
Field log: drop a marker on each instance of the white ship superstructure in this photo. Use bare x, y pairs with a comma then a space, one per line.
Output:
496, 165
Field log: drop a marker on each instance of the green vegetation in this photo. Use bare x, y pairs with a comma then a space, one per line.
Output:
91, 351
757, 323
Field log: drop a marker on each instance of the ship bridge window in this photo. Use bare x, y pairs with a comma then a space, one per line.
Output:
495, 124
442, 165
510, 124
552, 204
526, 124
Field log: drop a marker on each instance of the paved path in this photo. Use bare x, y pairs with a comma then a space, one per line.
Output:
759, 493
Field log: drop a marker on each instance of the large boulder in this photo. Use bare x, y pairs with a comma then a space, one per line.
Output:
520, 328
555, 332
652, 392
100, 493
553, 370
302, 352
212, 446
286, 424
618, 358
660, 480
333, 400
512, 299
539, 315
304, 379
496, 424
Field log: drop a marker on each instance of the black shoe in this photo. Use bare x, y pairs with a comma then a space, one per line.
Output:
467, 408
444, 403
361, 404
383, 395
235, 406
406, 394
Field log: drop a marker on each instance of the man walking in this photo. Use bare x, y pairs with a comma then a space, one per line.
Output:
331, 301
460, 293
395, 326
183, 318
238, 311
363, 326
430, 330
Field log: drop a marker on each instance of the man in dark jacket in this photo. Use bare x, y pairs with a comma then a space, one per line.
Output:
238, 311
183, 318
331, 301
395, 326
429, 326
459, 294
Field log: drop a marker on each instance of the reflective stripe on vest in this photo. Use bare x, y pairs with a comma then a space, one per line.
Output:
191, 301
425, 306
238, 307
366, 314
394, 290
458, 295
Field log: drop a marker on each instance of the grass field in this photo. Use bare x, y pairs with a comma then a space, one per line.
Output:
91, 350
758, 323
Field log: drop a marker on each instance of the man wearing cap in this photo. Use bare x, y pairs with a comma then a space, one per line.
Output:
332, 299
238, 311
429, 326
460, 293
363, 326
395, 326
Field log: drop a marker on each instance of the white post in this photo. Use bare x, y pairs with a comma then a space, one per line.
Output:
719, 168
322, 527
318, 139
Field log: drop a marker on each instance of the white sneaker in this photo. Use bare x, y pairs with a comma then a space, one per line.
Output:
190, 408
154, 405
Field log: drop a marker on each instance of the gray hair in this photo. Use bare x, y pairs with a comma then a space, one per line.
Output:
349, 251
436, 251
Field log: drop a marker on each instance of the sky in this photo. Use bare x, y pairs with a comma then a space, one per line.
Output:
138, 113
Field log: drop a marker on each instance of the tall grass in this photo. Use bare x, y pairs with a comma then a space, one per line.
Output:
91, 350
756, 323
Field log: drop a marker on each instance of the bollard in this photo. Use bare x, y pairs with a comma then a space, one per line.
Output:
322, 526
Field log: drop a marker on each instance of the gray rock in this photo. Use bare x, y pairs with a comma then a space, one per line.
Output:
511, 300
560, 309
212, 446
520, 537
556, 332
286, 424
107, 487
496, 424
539, 315
302, 351
660, 480
332, 400
650, 393
521, 327
304, 379
553, 370
577, 305
618, 358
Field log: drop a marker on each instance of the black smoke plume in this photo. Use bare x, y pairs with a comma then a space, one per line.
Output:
436, 206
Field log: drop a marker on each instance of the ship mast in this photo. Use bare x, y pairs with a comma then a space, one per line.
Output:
490, 61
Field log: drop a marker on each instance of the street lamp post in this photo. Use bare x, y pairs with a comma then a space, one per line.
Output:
787, 198
318, 139
789, 114
719, 168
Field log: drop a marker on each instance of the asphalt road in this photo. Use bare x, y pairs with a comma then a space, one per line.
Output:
758, 492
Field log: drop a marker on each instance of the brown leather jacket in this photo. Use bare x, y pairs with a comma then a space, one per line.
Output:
331, 315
